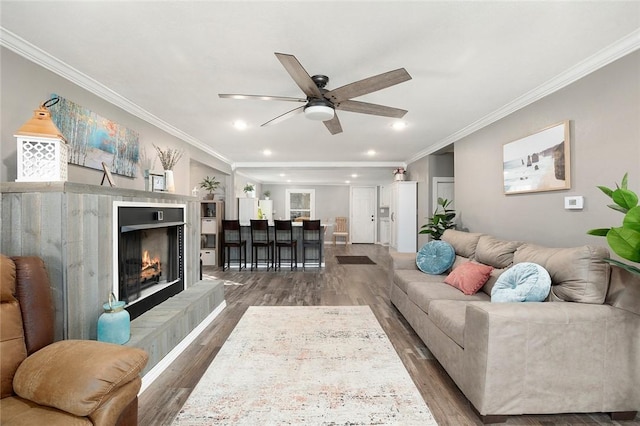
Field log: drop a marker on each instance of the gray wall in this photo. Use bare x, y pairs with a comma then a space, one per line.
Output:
604, 109
331, 200
25, 85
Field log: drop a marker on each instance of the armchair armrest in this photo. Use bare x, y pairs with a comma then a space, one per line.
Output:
529, 357
80, 376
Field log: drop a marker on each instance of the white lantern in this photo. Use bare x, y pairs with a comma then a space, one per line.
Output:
42, 150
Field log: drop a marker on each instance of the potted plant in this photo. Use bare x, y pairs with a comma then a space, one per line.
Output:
623, 240
399, 173
248, 189
267, 194
210, 184
441, 220
168, 158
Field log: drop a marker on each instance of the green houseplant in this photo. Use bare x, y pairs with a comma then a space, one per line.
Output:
210, 184
442, 219
248, 188
623, 240
267, 194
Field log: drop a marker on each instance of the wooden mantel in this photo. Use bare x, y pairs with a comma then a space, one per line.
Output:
70, 226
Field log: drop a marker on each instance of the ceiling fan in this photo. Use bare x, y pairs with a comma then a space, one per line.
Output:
320, 103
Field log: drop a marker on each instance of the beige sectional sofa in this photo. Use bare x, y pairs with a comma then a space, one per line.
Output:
576, 352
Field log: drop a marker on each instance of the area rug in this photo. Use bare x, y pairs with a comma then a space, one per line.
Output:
355, 260
308, 365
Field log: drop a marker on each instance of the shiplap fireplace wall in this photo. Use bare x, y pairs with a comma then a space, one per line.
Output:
70, 226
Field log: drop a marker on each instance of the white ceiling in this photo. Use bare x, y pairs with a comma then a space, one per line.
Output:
471, 62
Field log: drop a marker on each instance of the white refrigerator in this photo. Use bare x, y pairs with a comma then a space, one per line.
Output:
252, 208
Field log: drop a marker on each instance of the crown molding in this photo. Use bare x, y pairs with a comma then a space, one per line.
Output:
614, 51
38, 56
318, 164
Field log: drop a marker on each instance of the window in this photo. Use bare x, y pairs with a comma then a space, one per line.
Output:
300, 203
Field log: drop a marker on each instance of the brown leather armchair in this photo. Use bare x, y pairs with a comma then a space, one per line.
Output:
70, 382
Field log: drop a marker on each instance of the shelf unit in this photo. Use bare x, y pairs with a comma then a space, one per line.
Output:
211, 215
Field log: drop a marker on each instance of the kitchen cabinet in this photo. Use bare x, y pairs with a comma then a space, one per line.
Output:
403, 216
384, 231
384, 195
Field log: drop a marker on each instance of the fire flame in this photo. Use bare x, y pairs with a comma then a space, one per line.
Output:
149, 262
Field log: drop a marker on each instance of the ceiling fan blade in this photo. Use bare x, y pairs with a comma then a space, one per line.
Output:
260, 97
299, 75
373, 109
333, 125
368, 85
284, 116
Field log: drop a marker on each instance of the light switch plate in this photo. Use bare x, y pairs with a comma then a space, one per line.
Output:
574, 203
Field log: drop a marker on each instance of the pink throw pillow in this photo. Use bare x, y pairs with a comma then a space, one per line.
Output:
469, 277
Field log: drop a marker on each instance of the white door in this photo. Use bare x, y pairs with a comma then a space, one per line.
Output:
363, 214
443, 188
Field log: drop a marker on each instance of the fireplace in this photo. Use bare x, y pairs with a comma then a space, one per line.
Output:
150, 254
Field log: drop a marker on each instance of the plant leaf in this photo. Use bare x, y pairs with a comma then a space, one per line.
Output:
630, 268
618, 208
632, 219
599, 232
625, 243
623, 184
606, 190
625, 198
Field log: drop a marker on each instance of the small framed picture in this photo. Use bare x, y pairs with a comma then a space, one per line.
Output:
107, 174
156, 180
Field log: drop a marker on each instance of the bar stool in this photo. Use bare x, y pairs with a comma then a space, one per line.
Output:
283, 231
231, 238
311, 238
260, 238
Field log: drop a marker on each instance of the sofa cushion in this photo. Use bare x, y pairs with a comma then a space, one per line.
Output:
524, 282
470, 277
435, 257
449, 316
578, 274
402, 277
464, 243
493, 277
423, 293
18, 411
77, 375
495, 252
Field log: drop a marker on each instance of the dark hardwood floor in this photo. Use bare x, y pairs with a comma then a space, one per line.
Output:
333, 285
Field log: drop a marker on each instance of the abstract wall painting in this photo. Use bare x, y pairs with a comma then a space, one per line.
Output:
94, 140
539, 162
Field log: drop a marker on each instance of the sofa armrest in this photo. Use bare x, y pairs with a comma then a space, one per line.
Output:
79, 376
550, 357
404, 260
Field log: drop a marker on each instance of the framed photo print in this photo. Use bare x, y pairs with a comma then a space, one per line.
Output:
157, 183
538, 162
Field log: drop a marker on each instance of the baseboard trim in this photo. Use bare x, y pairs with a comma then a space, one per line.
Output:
165, 362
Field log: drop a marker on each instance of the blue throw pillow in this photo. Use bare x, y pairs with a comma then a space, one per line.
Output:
435, 257
523, 282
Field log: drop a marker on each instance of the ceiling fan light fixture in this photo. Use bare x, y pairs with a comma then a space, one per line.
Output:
319, 112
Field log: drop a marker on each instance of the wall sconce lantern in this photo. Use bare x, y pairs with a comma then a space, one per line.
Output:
42, 150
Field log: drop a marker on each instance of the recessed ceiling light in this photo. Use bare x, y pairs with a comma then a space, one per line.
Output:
399, 125
282, 175
354, 175
266, 152
371, 152
347, 181
240, 124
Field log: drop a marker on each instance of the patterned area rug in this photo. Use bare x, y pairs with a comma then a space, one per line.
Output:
355, 260
313, 365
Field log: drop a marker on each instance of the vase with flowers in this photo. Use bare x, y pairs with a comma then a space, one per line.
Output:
399, 173
169, 158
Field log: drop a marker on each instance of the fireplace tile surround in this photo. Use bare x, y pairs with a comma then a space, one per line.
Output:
70, 225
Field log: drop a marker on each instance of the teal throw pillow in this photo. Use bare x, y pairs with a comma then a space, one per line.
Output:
523, 282
435, 257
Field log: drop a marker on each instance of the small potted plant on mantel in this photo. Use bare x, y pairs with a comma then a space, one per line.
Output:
248, 190
210, 184
267, 194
